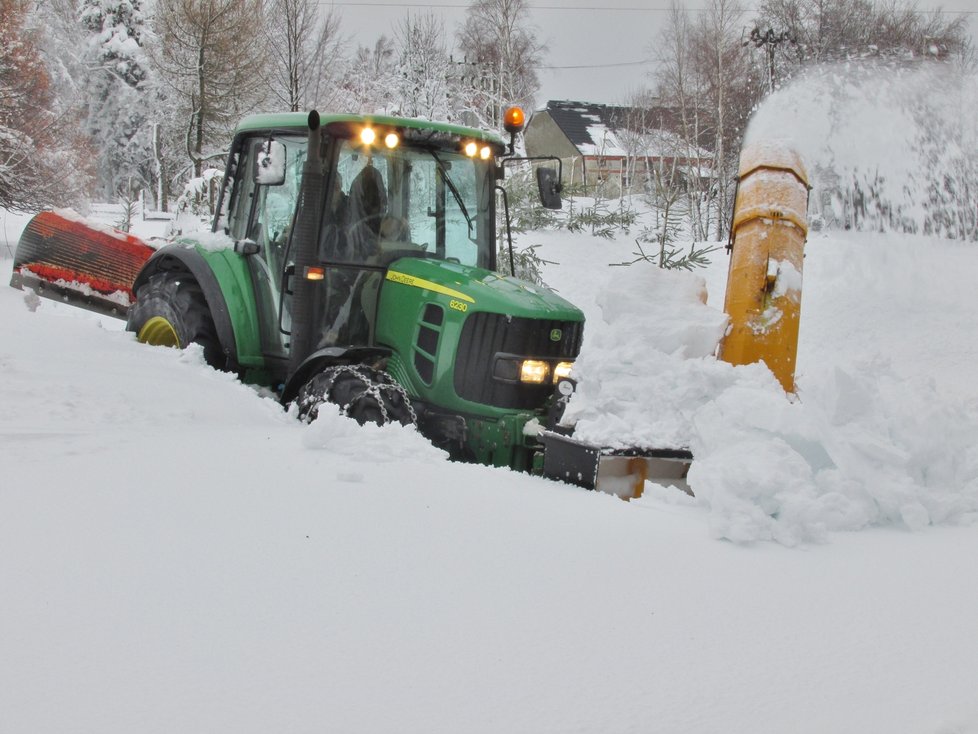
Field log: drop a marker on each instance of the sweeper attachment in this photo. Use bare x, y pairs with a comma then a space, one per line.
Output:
64, 257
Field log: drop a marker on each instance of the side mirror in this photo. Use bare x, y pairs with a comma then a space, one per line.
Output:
549, 185
270, 164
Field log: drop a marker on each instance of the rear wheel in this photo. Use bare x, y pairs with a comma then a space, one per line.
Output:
365, 394
171, 311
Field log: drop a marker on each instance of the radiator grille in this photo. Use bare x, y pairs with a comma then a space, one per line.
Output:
487, 335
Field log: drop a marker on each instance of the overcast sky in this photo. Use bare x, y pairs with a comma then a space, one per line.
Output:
598, 50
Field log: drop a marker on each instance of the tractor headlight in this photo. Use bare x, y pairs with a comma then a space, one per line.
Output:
562, 370
368, 136
534, 371
512, 368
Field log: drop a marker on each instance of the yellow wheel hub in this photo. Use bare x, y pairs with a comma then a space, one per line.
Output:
159, 332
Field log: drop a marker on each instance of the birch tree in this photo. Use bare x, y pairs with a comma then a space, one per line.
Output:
732, 88
498, 38
682, 89
305, 52
708, 77
424, 86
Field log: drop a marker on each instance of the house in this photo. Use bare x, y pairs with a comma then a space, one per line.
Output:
618, 148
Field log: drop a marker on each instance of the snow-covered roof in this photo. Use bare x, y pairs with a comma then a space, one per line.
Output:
590, 127
606, 130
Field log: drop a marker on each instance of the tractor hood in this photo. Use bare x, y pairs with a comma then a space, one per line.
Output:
477, 289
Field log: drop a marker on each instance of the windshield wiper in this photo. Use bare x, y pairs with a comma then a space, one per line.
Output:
446, 177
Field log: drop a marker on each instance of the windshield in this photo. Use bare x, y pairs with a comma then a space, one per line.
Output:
408, 202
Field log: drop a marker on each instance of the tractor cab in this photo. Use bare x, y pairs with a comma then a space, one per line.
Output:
389, 191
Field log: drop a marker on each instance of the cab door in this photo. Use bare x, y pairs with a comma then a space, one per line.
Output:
262, 214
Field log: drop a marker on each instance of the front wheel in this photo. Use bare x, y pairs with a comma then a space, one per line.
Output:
171, 311
365, 394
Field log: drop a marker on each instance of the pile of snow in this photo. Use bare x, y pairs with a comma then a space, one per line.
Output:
643, 369
867, 442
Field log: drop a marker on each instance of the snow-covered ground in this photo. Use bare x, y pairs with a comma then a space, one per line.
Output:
178, 554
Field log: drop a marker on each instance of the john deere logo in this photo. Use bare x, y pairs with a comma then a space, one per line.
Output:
555, 335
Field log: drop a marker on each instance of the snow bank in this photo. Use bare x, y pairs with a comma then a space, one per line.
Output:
337, 434
861, 446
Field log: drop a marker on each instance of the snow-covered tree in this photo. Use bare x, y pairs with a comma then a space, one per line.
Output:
62, 46
372, 78
837, 30
498, 40
115, 30
26, 181
682, 89
304, 54
117, 117
207, 54
708, 77
425, 70
732, 87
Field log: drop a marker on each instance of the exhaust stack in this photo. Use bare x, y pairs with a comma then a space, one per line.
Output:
305, 244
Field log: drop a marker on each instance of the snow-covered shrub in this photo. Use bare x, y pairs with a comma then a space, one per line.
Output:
198, 202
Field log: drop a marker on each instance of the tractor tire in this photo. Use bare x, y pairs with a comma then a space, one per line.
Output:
171, 311
365, 394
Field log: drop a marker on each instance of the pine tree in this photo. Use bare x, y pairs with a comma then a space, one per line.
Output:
117, 115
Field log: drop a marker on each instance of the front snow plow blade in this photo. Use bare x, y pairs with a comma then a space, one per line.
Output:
65, 258
621, 472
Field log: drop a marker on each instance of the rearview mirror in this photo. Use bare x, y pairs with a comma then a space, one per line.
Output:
270, 165
549, 185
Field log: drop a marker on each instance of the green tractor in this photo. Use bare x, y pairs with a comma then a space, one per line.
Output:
353, 261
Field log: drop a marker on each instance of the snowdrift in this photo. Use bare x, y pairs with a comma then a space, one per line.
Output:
883, 430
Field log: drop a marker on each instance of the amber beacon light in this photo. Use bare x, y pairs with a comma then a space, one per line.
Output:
514, 119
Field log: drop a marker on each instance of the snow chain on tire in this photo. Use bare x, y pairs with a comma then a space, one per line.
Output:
374, 388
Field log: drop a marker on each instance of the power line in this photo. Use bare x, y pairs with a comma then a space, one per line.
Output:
563, 8
600, 66
465, 6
